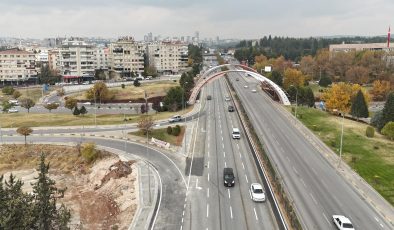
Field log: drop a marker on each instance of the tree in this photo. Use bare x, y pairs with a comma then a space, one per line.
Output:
145, 124
380, 89
137, 83
357, 74
151, 71
293, 77
51, 106
83, 111
70, 103
292, 91
173, 98
339, 96
16, 94
8, 90
47, 215
377, 119
143, 109
156, 106
359, 106
388, 111
99, 74
307, 66
89, 152
277, 78
325, 81
309, 98
388, 130
99, 91
76, 111
24, 131
47, 76
6, 106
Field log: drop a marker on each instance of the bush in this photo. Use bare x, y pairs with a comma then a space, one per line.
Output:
89, 152
8, 90
176, 130
388, 130
123, 86
169, 130
370, 131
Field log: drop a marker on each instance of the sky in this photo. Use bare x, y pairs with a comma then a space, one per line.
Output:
242, 19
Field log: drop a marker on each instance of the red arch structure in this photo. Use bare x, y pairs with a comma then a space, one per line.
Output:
212, 74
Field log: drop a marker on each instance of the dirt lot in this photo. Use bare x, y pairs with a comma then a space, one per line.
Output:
101, 195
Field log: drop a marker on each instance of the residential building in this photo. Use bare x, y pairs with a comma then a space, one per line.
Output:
102, 56
168, 57
17, 66
53, 55
126, 56
76, 60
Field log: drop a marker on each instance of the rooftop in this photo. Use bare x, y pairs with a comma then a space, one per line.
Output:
15, 51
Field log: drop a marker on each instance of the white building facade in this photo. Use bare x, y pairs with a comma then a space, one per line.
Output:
168, 57
17, 66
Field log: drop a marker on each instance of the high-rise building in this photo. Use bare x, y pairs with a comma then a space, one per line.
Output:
17, 66
168, 57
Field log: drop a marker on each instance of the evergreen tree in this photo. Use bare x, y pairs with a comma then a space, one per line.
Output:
137, 83
76, 111
277, 78
388, 111
309, 97
325, 81
83, 110
173, 99
359, 106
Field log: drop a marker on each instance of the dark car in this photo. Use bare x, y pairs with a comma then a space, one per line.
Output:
231, 108
228, 177
237, 79
209, 97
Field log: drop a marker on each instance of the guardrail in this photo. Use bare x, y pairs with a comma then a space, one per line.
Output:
257, 151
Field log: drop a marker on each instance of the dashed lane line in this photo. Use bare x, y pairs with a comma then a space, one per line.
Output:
255, 213
231, 212
246, 177
229, 196
243, 166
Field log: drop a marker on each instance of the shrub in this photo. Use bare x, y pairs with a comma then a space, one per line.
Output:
169, 130
176, 130
388, 130
370, 131
89, 152
8, 90
123, 86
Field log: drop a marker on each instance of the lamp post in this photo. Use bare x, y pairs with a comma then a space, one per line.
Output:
340, 147
295, 112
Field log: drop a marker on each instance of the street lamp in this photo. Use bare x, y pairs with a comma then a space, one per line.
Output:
295, 112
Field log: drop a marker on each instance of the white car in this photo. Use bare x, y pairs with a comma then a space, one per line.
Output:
175, 118
342, 222
87, 103
13, 110
254, 90
246, 86
227, 98
257, 193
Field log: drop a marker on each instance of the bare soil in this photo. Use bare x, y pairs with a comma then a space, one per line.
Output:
102, 195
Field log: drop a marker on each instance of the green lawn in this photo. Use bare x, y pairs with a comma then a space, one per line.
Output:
34, 93
162, 134
371, 158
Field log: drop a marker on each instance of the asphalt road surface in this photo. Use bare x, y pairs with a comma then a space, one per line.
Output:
314, 184
211, 205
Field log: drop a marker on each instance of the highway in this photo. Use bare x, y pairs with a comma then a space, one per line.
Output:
209, 204
316, 187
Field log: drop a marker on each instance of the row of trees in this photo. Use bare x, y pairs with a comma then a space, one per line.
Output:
36, 210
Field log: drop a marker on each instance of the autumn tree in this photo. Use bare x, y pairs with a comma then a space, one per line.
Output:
281, 64
380, 89
388, 130
24, 131
99, 91
27, 103
16, 94
71, 103
322, 60
357, 74
260, 62
145, 124
293, 77
359, 107
51, 106
338, 97
340, 62
307, 66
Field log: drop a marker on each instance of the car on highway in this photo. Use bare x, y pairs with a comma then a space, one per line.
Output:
237, 79
227, 98
231, 108
342, 222
228, 177
235, 133
13, 110
175, 118
87, 103
254, 90
246, 86
257, 193
209, 97
13, 102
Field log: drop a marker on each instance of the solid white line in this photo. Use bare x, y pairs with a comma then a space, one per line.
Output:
246, 178
225, 164
208, 192
231, 212
208, 176
161, 195
207, 210
243, 166
228, 190
255, 213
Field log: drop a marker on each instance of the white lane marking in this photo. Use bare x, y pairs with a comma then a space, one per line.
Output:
288, 159
197, 187
183, 213
181, 227
246, 178
313, 198
243, 166
208, 176
255, 213
237, 145
295, 170
303, 182
223, 145
208, 192
207, 210
182, 219
325, 217
240, 156
225, 164
208, 153
208, 164
231, 212
221, 132
228, 190
224, 154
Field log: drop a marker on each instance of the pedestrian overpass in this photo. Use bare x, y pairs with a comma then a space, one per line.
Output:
217, 72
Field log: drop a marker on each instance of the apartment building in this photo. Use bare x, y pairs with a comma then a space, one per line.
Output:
168, 57
17, 67
76, 60
53, 55
126, 56
102, 56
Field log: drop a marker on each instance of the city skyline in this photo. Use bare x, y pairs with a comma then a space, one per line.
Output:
247, 20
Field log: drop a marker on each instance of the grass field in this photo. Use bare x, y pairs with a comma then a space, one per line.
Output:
371, 158
12, 120
33, 93
152, 89
162, 134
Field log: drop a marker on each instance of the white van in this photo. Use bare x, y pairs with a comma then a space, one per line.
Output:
236, 134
